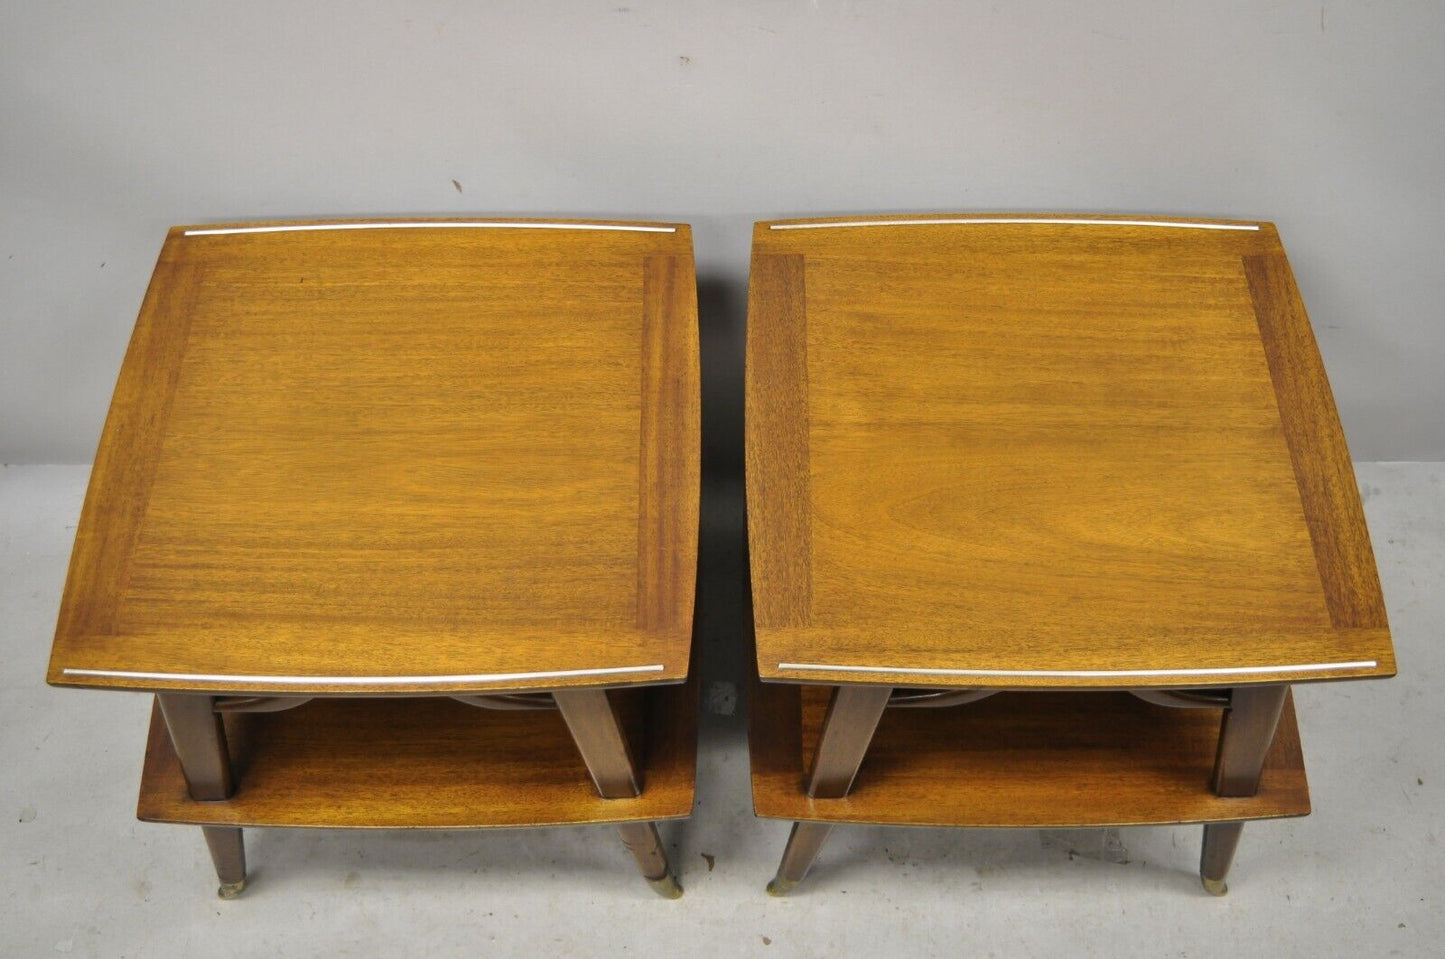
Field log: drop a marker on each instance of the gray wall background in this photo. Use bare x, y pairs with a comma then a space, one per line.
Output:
119, 119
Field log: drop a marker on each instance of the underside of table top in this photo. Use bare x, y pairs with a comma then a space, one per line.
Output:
391, 457
1047, 451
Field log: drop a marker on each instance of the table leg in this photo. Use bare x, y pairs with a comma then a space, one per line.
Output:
1220, 841
228, 854
602, 742
643, 841
804, 844
853, 715
199, 738
1244, 740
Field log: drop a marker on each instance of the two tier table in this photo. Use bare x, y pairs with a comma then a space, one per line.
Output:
1046, 514
398, 522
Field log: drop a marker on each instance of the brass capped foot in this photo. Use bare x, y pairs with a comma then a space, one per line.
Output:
1215, 887
230, 890
781, 887
666, 886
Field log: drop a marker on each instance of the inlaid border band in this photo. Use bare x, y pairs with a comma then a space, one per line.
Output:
1322, 467
439, 225
366, 680
1080, 673
780, 531
669, 447
1057, 221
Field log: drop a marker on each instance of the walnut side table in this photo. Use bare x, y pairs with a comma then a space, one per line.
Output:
362, 478
1088, 464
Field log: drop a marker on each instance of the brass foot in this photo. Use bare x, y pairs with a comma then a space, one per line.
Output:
666, 886
781, 887
1215, 887
230, 890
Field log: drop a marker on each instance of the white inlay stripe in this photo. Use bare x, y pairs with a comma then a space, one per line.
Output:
480, 225
1081, 673
366, 680
982, 220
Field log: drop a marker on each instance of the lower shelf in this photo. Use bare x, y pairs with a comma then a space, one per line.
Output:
1021, 760
428, 763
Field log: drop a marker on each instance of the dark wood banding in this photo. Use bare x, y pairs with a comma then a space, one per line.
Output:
670, 445
130, 446
779, 508
1317, 447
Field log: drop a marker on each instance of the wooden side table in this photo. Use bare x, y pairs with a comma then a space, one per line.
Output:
360, 479
1089, 464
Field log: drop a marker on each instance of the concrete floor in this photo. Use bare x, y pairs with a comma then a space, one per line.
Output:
1362, 876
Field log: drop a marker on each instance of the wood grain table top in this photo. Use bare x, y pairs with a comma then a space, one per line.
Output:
397, 457
1047, 451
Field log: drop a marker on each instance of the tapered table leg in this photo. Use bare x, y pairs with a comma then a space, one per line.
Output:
199, 738
602, 742
804, 844
853, 715
228, 854
1244, 740
1220, 841
642, 840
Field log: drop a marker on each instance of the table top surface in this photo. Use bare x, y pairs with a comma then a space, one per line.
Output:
397, 457
1047, 451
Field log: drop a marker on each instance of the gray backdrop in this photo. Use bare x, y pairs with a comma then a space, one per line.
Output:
119, 119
